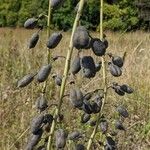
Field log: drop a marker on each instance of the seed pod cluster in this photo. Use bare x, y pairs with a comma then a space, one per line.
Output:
44, 73
81, 39
54, 40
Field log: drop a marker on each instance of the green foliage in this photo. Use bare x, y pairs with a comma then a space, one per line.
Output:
120, 16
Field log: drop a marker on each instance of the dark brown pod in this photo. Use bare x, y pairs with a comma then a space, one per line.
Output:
76, 97
30, 23
110, 143
44, 73
60, 136
98, 47
103, 126
119, 125
88, 66
126, 88
36, 123
34, 140
118, 90
75, 66
79, 147
117, 60
81, 38
25, 80
41, 103
85, 118
115, 70
86, 107
54, 40
33, 41
74, 135
123, 111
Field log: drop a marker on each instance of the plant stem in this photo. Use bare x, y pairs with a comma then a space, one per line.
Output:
48, 34
66, 70
104, 81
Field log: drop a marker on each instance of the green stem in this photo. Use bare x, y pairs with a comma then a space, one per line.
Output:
104, 81
48, 35
66, 70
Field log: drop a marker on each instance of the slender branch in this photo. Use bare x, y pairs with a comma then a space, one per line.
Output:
48, 34
104, 81
65, 75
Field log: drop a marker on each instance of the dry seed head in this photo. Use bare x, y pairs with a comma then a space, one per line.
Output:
36, 123
33, 41
44, 73
30, 23
54, 40
81, 38
115, 70
25, 80
98, 47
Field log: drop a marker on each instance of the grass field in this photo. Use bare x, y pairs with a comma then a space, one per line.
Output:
17, 106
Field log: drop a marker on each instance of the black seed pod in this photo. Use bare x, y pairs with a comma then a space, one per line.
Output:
60, 136
118, 90
75, 66
25, 80
115, 70
110, 143
34, 140
36, 124
79, 147
86, 107
103, 126
117, 60
76, 97
74, 135
98, 47
30, 23
126, 89
81, 38
48, 118
98, 66
41, 103
122, 111
44, 73
33, 41
95, 107
56, 3
54, 40
119, 125
87, 96
88, 67
85, 118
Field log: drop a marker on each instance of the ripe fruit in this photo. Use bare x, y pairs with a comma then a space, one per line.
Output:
25, 80
44, 73
54, 40
60, 136
98, 47
126, 88
30, 23
85, 118
33, 41
76, 97
115, 70
36, 123
88, 66
41, 103
75, 66
81, 38
122, 111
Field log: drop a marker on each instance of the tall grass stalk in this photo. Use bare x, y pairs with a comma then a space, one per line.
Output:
104, 81
48, 35
65, 74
